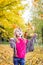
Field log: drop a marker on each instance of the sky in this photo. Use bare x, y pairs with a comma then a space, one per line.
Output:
27, 13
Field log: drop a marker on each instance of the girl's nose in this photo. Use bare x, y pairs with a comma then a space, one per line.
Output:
19, 33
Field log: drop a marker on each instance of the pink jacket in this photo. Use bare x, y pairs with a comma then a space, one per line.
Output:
21, 47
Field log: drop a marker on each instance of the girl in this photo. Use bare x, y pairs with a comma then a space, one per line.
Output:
19, 45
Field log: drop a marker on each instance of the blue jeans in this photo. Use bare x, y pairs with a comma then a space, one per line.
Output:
18, 61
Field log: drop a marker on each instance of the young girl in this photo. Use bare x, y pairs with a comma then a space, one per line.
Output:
19, 46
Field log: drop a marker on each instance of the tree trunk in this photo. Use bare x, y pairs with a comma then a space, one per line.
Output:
42, 35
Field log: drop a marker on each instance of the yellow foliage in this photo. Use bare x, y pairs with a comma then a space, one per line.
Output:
36, 0
35, 57
32, 58
3, 3
10, 14
5, 23
6, 54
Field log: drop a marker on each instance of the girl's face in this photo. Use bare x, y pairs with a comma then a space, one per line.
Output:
18, 33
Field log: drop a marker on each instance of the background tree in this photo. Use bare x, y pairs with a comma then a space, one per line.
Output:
10, 16
38, 17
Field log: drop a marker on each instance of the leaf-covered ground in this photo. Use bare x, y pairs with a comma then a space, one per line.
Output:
32, 58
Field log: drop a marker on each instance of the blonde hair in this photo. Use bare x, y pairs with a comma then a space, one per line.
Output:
18, 29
